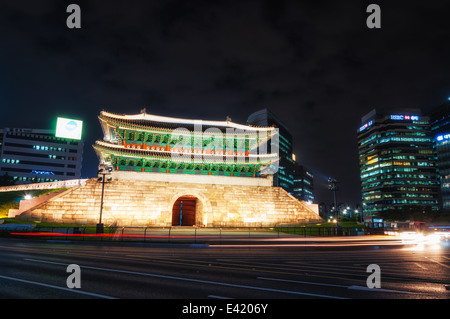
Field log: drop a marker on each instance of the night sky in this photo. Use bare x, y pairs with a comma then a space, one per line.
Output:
315, 64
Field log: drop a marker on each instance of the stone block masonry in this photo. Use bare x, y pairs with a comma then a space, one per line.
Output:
27, 204
129, 202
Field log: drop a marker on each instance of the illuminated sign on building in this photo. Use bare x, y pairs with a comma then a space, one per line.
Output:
362, 128
42, 172
442, 137
405, 117
68, 128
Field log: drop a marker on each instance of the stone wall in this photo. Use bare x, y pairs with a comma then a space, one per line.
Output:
150, 203
47, 185
194, 178
27, 204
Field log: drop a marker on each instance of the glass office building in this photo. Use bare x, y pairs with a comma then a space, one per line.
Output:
285, 175
440, 129
397, 165
303, 183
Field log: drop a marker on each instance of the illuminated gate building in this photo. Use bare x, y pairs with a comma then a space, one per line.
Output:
180, 172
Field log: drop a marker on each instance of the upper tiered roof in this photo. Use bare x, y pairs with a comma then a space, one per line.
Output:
149, 142
145, 121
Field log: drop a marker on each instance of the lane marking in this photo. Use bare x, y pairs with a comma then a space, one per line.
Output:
303, 282
57, 287
194, 280
420, 266
437, 262
383, 290
353, 287
252, 267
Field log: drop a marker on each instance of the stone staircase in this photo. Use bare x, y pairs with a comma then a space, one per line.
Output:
27, 204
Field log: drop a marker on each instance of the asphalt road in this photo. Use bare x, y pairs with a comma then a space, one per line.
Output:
31, 269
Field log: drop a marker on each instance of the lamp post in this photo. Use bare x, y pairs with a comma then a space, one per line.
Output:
332, 186
102, 172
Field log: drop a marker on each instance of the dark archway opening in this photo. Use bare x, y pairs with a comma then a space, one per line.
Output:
183, 211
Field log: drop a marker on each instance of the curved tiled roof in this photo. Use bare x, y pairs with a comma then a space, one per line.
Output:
145, 120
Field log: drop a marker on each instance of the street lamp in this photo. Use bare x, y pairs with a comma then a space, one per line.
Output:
332, 186
359, 217
102, 172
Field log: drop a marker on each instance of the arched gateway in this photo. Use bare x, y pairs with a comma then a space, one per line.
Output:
183, 211
195, 210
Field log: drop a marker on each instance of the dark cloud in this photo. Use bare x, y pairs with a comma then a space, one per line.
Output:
313, 63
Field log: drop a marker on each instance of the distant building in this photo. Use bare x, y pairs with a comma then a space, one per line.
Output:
36, 155
397, 166
285, 176
440, 129
323, 210
303, 183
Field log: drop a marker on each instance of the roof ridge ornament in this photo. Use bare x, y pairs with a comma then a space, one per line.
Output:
144, 111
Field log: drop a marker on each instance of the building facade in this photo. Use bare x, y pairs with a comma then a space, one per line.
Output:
303, 183
440, 130
397, 167
284, 177
37, 155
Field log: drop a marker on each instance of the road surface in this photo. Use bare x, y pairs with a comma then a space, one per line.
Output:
38, 269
